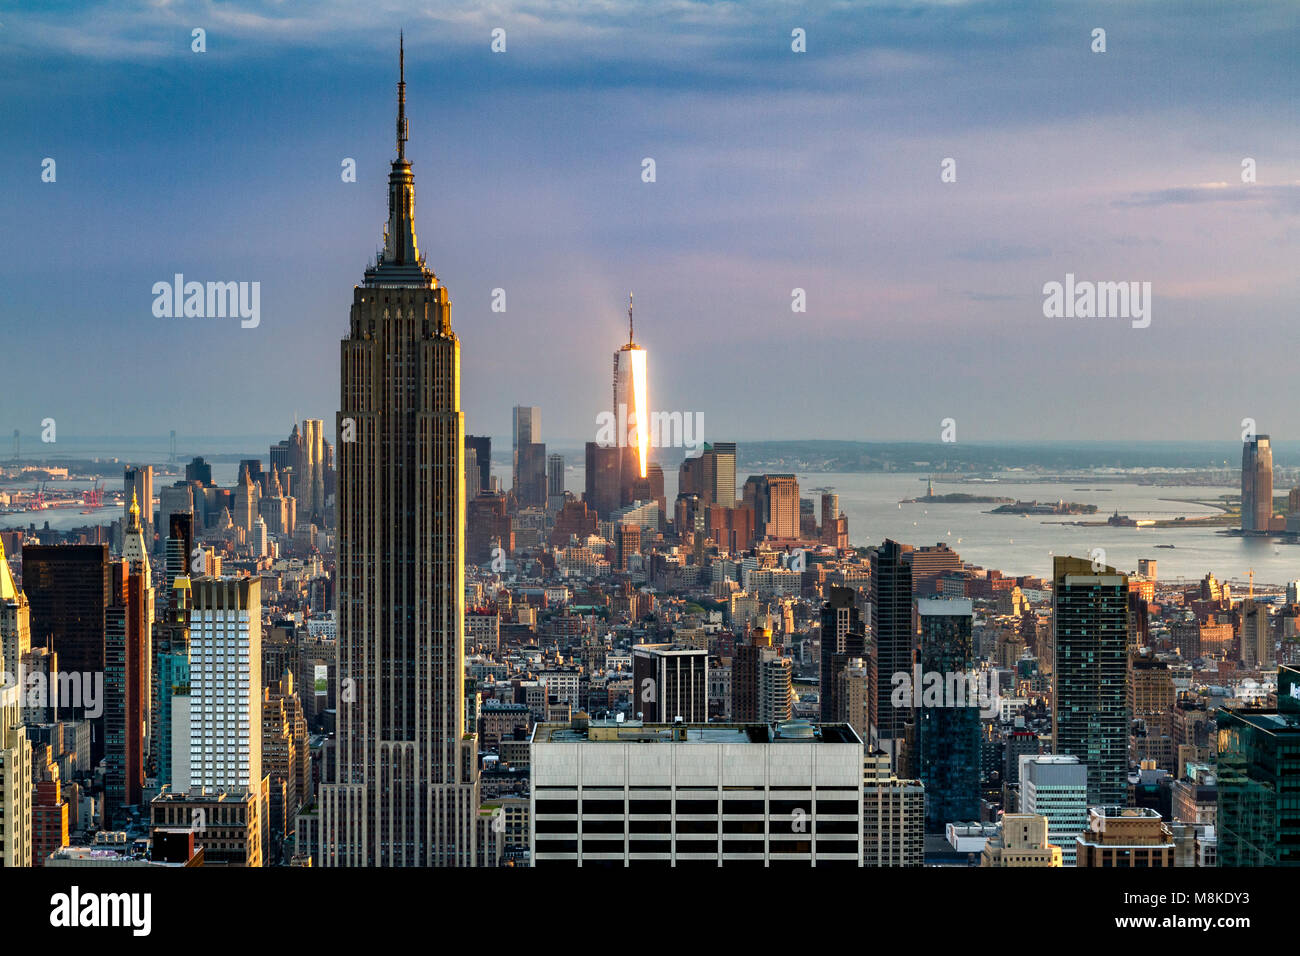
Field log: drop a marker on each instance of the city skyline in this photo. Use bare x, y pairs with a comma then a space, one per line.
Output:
753, 198
790, 641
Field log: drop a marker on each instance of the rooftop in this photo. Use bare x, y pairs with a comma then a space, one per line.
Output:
635, 731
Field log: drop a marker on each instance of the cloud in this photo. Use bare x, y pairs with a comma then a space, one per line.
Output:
1283, 198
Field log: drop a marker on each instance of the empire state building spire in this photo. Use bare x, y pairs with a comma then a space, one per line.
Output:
403, 130
400, 263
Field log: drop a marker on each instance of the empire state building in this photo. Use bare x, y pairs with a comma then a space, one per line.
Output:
405, 792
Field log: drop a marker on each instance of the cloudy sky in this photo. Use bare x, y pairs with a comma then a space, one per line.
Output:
775, 170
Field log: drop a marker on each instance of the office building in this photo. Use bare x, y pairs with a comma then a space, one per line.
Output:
68, 591
1257, 484
602, 479
137, 486
530, 475
1125, 837
1258, 770
775, 503
670, 683
1021, 841
623, 793
949, 732
1056, 787
478, 480
631, 413
405, 788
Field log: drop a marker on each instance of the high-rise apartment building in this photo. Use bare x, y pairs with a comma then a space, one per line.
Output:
1257, 484
893, 815
762, 687
525, 429
218, 788
843, 639
1090, 717
1257, 644
894, 633
405, 790
225, 742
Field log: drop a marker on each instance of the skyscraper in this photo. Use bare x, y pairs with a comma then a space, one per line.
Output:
602, 475
15, 622
843, 640
138, 482
15, 776
225, 741
480, 482
1258, 766
171, 679
69, 591
631, 412
555, 482
670, 682
949, 733
775, 500
894, 634
1256, 484
1090, 650
406, 788
525, 429
128, 671
1056, 787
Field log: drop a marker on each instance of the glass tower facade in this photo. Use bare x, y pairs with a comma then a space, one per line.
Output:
1259, 781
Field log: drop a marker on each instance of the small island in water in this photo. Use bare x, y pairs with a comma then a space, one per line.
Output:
1045, 508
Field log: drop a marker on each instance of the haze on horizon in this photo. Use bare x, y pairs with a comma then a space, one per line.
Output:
774, 171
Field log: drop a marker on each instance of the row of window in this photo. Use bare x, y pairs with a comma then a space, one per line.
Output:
774, 808
775, 847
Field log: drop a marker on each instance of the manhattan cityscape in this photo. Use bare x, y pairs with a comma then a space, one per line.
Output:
718, 525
